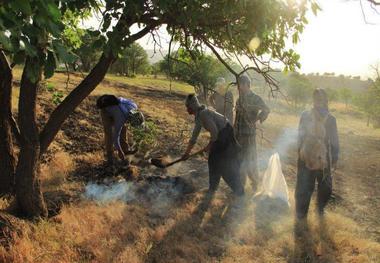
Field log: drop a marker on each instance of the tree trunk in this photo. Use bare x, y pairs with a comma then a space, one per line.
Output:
7, 160
28, 192
75, 97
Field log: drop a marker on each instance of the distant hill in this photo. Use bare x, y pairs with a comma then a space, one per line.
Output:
327, 80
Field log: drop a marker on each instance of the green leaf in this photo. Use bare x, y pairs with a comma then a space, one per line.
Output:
29, 49
50, 65
15, 41
19, 57
315, 8
106, 22
99, 43
94, 33
53, 10
22, 6
62, 52
4, 41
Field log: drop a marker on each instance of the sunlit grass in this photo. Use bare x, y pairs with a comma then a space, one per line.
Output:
149, 81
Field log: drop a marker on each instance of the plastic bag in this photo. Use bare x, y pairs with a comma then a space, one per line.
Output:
273, 182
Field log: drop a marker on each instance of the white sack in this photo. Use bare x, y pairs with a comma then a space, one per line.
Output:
273, 183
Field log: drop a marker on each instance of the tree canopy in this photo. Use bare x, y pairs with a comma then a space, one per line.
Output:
299, 89
41, 33
196, 68
132, 60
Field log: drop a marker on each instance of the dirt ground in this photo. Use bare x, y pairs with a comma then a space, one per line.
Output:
167, 219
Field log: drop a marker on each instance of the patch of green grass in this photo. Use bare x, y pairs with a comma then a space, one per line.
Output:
145, 137
149, 81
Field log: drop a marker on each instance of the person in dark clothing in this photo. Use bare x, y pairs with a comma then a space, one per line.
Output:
308, 170
222, 100
223, 149
250, 108
115, 113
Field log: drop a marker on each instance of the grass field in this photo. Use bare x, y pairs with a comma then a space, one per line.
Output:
159, 225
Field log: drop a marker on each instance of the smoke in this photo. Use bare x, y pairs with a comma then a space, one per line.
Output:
124, 191
158, 193
283, 144
287, 139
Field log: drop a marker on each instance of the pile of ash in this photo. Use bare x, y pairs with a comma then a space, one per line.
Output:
157, 192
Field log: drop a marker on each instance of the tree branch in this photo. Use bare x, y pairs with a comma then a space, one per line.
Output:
15, 128
374, 2
220, 58
77, 95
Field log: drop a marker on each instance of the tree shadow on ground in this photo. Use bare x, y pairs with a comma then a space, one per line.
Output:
313, 245
202, 235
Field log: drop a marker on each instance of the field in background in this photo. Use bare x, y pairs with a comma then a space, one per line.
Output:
194, 228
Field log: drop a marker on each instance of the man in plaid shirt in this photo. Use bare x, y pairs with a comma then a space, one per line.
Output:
250, 108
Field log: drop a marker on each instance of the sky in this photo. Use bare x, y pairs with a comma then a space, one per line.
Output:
343, 38
339, 39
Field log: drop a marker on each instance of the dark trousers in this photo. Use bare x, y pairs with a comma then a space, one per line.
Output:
305, 186
248, 155
224, 162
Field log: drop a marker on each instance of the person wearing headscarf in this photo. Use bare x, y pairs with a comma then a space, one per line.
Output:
223, 149
318, 151
115, 113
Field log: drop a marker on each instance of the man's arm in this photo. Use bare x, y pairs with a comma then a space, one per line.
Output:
264, 110
196, 131
334, 141
211, 127
301, 130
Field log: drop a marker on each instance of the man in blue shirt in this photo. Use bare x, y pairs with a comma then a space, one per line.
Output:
116, 112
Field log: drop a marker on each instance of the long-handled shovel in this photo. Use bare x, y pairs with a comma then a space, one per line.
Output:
162, 163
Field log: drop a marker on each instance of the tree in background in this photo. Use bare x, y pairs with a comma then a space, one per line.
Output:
333, 94
89, 50
132, 60
369, 103
346, 95
31, 33
195, 68
299, 90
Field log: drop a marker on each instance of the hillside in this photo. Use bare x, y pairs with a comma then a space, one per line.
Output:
103, 214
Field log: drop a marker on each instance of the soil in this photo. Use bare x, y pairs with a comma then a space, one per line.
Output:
356, 192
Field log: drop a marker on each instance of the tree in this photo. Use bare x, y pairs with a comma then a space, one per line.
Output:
299, 89
31, 33
369, 102
346, 95
133, 60
332, 94
196, 68
88, 54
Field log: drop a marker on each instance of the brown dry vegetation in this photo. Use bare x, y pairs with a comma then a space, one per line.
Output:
192, 226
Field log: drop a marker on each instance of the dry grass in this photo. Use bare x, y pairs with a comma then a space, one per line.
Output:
195, 229
54, 174
85, 233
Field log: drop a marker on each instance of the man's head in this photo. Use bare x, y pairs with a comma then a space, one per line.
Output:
106, 100
320, 99
244, 84
192, 103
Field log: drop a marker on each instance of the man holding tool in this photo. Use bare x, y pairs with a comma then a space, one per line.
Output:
223, 160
